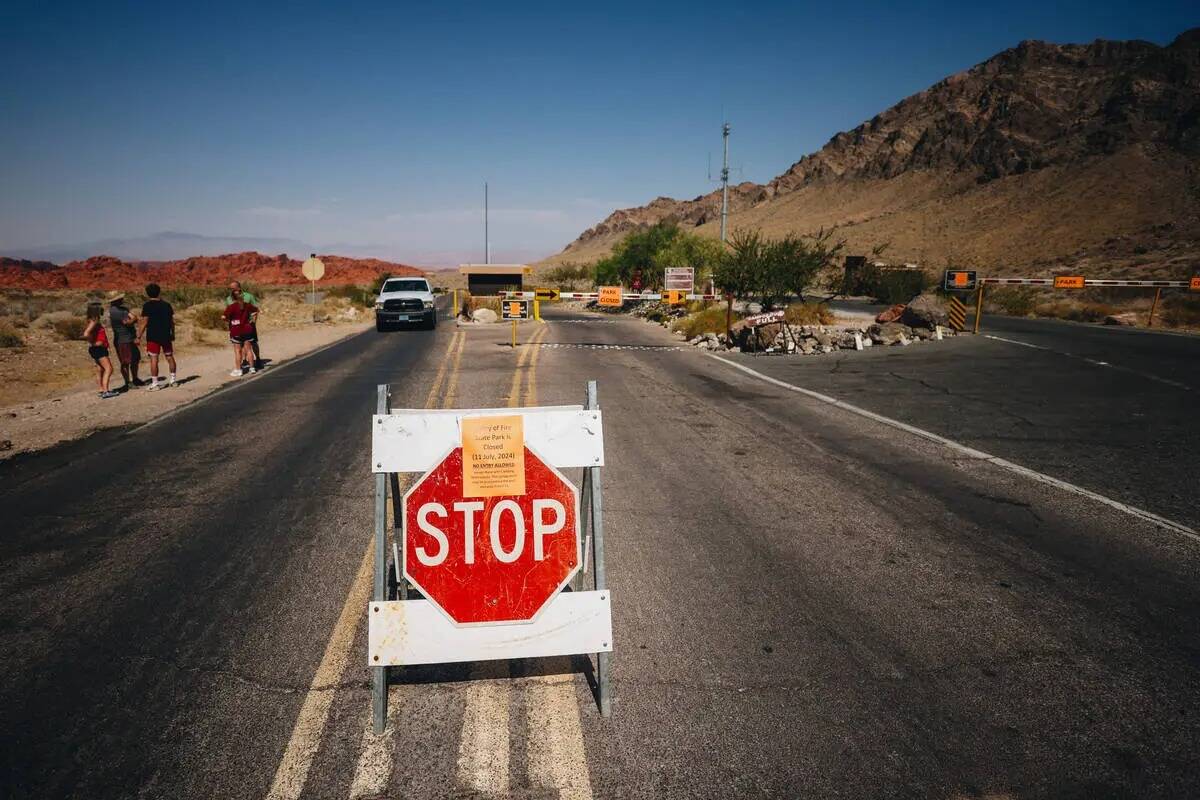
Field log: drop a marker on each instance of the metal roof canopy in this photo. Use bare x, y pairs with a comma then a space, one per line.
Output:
494, 269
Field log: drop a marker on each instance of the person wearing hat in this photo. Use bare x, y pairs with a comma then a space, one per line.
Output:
125, 337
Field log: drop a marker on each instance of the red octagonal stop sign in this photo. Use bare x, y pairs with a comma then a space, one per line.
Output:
488, 560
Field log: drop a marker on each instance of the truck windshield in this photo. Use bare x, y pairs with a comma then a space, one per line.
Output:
405, 286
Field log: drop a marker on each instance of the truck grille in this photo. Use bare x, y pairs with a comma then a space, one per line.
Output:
405, 304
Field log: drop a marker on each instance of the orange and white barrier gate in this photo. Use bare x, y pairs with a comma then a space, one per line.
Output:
965, 281
626, 296
490, 538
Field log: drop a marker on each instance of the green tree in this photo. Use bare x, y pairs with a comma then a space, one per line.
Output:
740, 268
689, 250
638, 251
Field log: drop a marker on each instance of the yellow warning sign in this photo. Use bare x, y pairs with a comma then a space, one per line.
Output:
493, 451
609, 296
1068, 282
545, 294
675, 297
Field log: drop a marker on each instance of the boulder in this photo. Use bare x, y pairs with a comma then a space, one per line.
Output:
1128, 318
925, 311
890, 315
484, 315
889, 333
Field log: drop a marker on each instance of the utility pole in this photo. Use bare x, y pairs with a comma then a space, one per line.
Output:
487, 243
725, 182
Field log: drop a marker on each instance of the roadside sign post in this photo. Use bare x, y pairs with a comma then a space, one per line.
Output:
978, 308
1153, 308
492, 535
514, 310
769, 318
680, 278
313, 269
959, 280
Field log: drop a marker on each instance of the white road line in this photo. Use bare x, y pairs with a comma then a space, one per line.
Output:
310, 724
557, 760
1095, 362
483, 747
969, 452
1015, 341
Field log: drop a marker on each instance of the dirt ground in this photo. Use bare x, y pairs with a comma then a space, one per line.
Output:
48, 391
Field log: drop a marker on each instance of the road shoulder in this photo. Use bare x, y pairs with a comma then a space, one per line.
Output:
34, 426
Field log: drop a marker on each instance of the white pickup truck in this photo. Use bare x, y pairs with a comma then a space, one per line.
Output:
405, 300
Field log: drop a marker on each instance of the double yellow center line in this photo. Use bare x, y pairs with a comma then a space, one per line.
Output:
292, 773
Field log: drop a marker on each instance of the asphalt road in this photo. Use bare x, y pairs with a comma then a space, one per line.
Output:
1109, 408
805, 603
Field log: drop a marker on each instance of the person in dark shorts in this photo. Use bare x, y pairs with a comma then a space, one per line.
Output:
158, 327
240, 316
97, 339
235, 290
125, 337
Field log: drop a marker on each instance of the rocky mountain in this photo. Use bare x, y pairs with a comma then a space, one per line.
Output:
108, 272
1081, 146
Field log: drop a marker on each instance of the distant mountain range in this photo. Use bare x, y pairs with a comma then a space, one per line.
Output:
164, 246
1042, 156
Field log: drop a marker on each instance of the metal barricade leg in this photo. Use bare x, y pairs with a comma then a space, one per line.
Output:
379, 674
597, 518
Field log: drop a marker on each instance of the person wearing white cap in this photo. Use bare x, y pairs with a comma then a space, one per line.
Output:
125, 337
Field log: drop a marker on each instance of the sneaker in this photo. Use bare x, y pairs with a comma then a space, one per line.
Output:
172, 382
155, 386
253, 370
237, 373
109, 394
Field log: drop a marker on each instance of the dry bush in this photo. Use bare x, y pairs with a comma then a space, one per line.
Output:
710, 320
9, 337
357, 295
809, 314
474, 303
181, 297
1016, 301
209, 316
69, 328
1181, 311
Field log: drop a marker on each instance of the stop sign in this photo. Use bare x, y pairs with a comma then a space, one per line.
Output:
490, 559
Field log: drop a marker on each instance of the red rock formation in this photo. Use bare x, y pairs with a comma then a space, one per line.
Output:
106, 272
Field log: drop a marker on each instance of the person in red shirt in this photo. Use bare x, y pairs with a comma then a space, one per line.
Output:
240, 315
97, 339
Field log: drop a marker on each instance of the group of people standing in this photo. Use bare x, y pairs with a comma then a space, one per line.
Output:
156, 325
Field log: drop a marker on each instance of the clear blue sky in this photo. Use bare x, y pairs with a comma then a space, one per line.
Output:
372, 126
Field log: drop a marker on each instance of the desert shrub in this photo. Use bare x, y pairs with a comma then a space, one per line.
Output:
710, 320
9, 337
809, 314
181, 297
893, 285
570, 275
210, 316
1090, 312
1017, 301
1181, 311
69, 327
357, 295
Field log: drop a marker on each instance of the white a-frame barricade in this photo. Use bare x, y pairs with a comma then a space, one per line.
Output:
492, 547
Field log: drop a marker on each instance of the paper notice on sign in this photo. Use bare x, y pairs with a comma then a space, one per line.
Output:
493, 456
